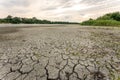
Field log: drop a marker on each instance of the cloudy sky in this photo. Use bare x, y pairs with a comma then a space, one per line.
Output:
58, 10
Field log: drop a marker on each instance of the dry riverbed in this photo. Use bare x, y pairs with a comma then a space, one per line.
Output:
59, 52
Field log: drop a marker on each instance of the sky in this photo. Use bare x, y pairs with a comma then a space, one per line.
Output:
58, 10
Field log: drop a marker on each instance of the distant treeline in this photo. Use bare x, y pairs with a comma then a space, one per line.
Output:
110, 19
34, 20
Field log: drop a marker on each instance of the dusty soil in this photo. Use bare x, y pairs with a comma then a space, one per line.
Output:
59, 52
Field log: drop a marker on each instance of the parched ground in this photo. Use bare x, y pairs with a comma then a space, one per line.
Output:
59, 52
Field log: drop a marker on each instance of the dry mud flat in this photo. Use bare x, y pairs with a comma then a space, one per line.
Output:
59, 52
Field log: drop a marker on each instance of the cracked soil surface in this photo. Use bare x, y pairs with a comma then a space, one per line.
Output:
59, 52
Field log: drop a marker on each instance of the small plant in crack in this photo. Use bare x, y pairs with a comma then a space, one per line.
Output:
118, 78
97, 75
37, 55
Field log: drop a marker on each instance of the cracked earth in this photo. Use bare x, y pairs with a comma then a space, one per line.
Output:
59, 52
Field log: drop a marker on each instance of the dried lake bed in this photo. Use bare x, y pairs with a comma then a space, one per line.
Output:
59, 52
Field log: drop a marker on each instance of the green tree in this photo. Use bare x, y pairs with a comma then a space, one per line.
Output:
116, 16
16, 20
8, 19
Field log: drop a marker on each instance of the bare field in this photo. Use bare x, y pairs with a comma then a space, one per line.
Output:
59, 52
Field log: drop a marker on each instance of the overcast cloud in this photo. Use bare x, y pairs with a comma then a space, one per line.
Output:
58, 10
